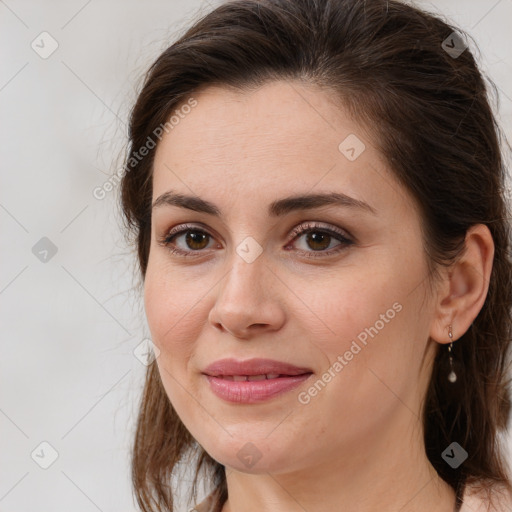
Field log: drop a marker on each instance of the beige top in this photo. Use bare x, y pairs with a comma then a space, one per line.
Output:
471, 502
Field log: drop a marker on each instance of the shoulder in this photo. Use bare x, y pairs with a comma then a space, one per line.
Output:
478, 499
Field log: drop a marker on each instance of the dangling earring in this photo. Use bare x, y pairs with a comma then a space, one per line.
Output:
452, 376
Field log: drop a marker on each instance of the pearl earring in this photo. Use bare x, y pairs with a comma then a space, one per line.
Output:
452, 376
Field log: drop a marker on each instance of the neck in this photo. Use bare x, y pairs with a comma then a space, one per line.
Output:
387, 474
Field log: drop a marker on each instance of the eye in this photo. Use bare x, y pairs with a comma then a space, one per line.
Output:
195, 239
318, 238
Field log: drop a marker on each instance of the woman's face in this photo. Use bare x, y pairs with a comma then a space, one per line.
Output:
346, 300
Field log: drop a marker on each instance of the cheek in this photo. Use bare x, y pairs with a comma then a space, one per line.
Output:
174, 324
372, 338
354, 305
172, 314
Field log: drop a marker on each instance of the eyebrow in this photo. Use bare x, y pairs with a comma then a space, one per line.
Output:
277, 208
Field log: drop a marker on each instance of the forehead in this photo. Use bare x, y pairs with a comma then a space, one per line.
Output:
282, 137
278, 121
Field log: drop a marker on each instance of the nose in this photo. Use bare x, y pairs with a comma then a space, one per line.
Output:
248, 301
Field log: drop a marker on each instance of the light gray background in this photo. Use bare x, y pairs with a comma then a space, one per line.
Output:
70, 325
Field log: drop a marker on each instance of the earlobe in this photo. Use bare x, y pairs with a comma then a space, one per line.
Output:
464, 287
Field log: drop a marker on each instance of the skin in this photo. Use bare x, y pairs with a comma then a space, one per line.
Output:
359, 441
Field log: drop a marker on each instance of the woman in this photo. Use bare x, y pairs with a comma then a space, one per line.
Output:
315, 189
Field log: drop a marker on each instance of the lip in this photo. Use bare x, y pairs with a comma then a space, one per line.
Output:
249, 392
258, 366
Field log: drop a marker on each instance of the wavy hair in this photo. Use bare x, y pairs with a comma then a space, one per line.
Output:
429, 114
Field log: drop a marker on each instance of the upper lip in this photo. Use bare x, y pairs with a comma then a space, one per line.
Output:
253, 367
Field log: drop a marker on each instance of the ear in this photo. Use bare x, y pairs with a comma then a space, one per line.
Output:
464, 286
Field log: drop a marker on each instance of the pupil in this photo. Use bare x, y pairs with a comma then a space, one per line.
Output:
314, 237
193, 237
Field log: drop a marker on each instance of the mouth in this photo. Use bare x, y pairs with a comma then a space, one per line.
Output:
254, 380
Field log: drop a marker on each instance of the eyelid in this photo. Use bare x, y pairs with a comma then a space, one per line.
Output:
182, 228
311, 225
296, 231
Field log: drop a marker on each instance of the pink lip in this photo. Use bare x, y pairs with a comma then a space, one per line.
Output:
290, 377
252, 367
247, 392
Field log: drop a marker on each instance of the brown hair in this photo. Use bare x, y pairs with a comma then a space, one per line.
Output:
429, 115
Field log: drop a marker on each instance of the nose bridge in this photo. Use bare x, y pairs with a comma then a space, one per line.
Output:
248, 269
246, 255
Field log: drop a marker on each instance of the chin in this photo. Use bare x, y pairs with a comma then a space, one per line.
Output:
256, 456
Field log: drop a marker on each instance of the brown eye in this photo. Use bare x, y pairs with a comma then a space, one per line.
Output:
195, 239
318, 240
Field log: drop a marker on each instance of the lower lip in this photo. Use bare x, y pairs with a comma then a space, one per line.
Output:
249, 392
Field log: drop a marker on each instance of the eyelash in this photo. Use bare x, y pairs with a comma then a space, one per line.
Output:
296, 233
